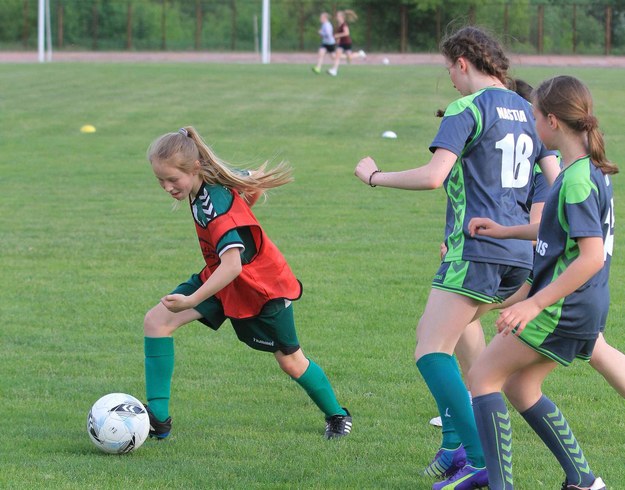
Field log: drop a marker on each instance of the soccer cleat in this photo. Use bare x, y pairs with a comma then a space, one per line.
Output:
596, 485
362, 54
436, 422
332, 72
338, 425
467, 478
316, 70
446, 463
158, 429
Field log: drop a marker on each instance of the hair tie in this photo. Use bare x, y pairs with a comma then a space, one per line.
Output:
184, 132
590, 123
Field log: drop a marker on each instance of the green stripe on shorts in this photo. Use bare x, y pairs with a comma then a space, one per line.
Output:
483, 298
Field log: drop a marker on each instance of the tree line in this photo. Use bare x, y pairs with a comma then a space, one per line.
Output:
526, 26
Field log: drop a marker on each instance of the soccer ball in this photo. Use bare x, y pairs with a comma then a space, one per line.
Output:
118, 423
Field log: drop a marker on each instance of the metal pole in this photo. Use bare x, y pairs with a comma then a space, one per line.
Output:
41, 31
266, 48
48, 32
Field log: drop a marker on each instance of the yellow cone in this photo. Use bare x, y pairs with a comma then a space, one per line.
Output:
87, 128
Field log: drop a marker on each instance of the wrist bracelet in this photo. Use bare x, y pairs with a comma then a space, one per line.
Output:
371, 176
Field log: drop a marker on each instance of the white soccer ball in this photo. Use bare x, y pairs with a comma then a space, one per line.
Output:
118, 423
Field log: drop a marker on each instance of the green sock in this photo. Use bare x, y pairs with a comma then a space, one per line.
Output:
316, 384
441, 374
159, 368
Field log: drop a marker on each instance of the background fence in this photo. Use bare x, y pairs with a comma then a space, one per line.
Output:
544, 27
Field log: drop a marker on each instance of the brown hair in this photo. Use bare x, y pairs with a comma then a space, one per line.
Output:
478, 47
569, 100
521, 87
184, 147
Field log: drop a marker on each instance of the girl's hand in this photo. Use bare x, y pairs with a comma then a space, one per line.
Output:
365, 169
443, 250
177, 302
517, 316
485, 227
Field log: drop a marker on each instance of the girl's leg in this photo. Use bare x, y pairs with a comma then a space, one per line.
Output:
544, 417
337, 60
508, 363
503, 357
312, 379
610, 363
549, 423
469, 347
158, 326
320, 55
443, 321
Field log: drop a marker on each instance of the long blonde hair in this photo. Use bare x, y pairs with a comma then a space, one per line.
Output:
348, 15
184, 147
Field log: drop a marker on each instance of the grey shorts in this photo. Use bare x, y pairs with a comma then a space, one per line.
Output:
484, 282
563, 350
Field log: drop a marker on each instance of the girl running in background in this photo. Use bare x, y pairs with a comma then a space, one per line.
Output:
568, 302
343, 35
328, 44
483, 154
246, 279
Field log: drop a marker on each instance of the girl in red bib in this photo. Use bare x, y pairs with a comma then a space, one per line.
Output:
245, 279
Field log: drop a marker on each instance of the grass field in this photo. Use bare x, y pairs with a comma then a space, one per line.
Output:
90, 242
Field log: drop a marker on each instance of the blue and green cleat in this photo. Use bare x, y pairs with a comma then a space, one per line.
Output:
467, 478
446, 463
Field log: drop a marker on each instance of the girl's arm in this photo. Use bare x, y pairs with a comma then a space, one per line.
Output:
587, 264
487, 227
429, 176
536, 212
229, 268
550, 168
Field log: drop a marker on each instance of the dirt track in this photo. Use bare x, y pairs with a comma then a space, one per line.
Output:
294, 58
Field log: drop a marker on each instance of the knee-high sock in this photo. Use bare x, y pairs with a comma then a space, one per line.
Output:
441, 374
493, 424
159, 368
548, 422
316, 384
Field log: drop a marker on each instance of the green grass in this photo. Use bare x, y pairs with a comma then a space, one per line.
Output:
89, 243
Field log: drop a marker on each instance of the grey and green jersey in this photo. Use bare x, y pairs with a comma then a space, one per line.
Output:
579, 205
494, 136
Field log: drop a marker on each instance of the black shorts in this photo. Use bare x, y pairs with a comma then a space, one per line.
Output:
330, 48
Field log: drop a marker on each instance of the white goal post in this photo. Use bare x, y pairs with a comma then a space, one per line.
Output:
266, 33
44, 34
